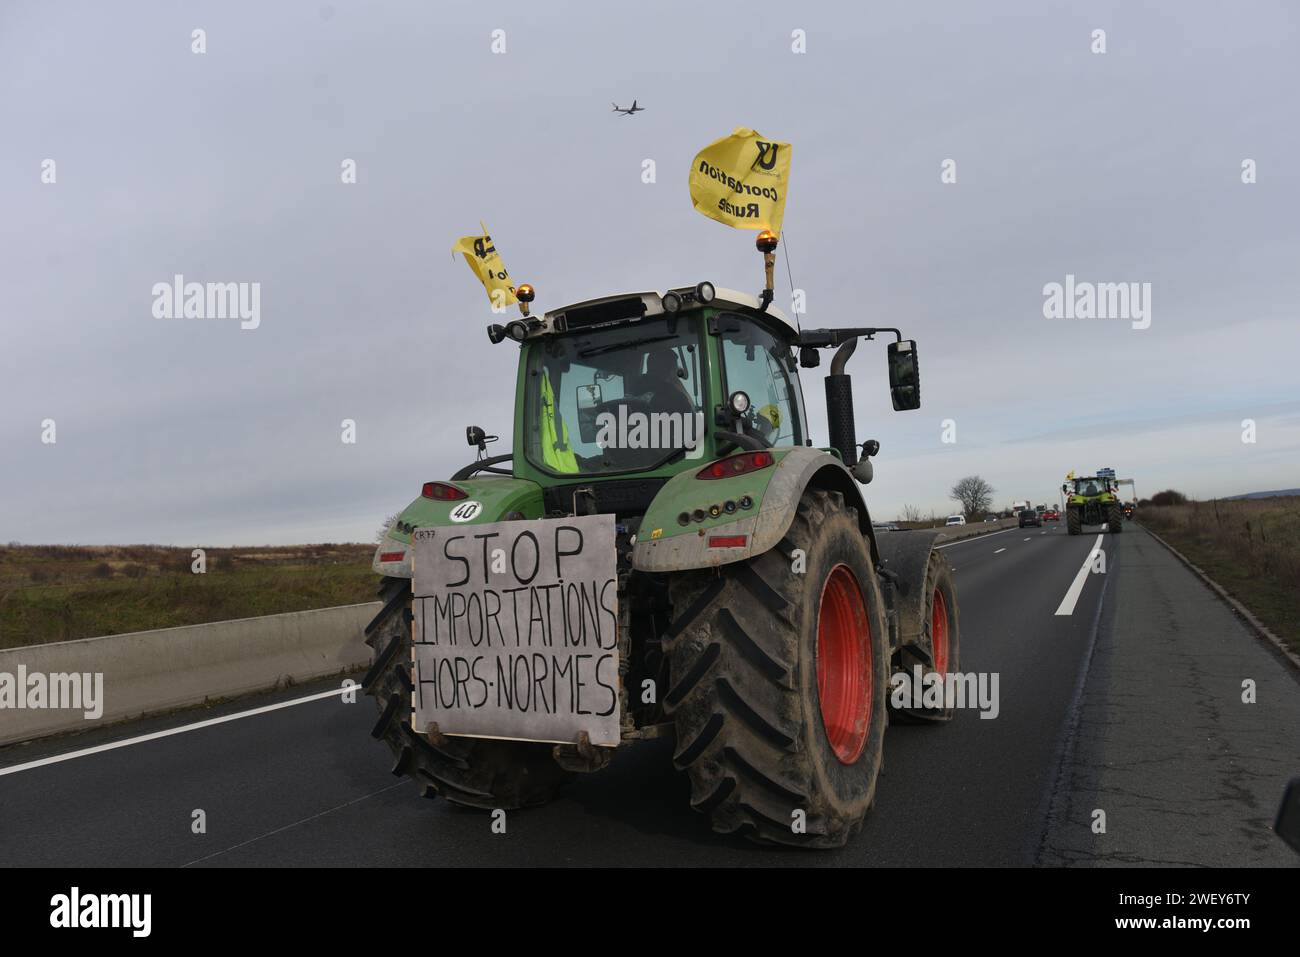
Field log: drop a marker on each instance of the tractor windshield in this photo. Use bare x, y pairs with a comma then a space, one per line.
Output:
613, 400
1089, 486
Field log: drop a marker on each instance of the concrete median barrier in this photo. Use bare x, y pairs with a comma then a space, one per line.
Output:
147, 672
953, 533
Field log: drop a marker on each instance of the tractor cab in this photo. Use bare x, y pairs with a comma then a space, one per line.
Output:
650, 383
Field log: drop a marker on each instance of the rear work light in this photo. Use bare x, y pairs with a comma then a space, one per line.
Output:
442, 492
735, 465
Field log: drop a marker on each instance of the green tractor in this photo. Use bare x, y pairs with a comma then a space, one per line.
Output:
1093, 500
760, 623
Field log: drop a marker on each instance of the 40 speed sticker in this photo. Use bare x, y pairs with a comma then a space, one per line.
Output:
466, 511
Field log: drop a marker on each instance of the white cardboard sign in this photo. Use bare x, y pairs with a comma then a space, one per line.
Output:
516, 630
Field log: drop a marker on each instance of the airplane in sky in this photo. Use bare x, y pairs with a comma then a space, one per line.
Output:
628, 112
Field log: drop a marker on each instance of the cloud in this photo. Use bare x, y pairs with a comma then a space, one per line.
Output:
225, 167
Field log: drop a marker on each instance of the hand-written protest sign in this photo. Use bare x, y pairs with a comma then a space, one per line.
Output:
516, 630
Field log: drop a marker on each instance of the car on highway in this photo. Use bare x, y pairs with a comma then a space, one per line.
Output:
990, 517
885, 526
955, 520
1051, 515
1030, 517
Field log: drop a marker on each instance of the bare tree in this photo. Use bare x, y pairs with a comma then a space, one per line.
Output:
911, 513
974, 494
388, 523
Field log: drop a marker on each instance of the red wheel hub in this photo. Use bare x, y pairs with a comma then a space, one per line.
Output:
845, 670
939, 632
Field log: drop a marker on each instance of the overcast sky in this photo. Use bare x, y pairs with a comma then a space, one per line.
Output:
225, 167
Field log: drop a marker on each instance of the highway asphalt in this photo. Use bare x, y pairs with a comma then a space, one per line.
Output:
1127, 700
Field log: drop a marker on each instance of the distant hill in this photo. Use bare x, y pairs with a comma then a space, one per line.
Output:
1276, 494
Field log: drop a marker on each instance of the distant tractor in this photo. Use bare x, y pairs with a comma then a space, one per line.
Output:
759, 617
1092, 500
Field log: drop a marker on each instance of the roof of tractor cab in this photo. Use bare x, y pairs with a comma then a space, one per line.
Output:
653, 306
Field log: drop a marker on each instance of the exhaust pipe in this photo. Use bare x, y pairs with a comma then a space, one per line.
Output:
839, 405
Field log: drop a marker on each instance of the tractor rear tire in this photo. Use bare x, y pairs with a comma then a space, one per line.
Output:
941, 631
779, 670
474, 772
1115, 520
1073, 521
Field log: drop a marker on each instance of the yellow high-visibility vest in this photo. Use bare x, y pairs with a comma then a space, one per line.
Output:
557, 454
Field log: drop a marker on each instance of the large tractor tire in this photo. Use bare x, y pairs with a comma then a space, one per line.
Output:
940, 634
475, 772
779, 673
1073, 521
1115, 519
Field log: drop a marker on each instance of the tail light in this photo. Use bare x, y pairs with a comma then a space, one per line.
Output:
392, 556
442, 492
735, 465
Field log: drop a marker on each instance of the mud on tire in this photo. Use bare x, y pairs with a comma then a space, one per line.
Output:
941, 634
474, 772
744, 692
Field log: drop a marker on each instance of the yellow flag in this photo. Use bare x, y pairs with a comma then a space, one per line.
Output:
486, 264
741, 180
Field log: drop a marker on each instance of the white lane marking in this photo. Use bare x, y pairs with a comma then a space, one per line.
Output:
125, 742
997, 550
974, 538
1027, 539
1076, 587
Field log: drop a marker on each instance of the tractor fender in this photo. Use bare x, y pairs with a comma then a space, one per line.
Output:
797, 470
490, 499
904, 560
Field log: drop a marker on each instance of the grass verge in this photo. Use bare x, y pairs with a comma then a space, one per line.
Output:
60, 593
1251, 547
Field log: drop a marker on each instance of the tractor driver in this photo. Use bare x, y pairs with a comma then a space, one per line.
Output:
661, 386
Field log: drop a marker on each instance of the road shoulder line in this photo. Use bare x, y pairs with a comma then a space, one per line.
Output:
168, 732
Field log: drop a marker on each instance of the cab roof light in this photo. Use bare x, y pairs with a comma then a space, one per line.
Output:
736, 465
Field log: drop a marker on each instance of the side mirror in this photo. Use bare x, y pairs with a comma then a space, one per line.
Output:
589, 400
475, 436
904, 376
